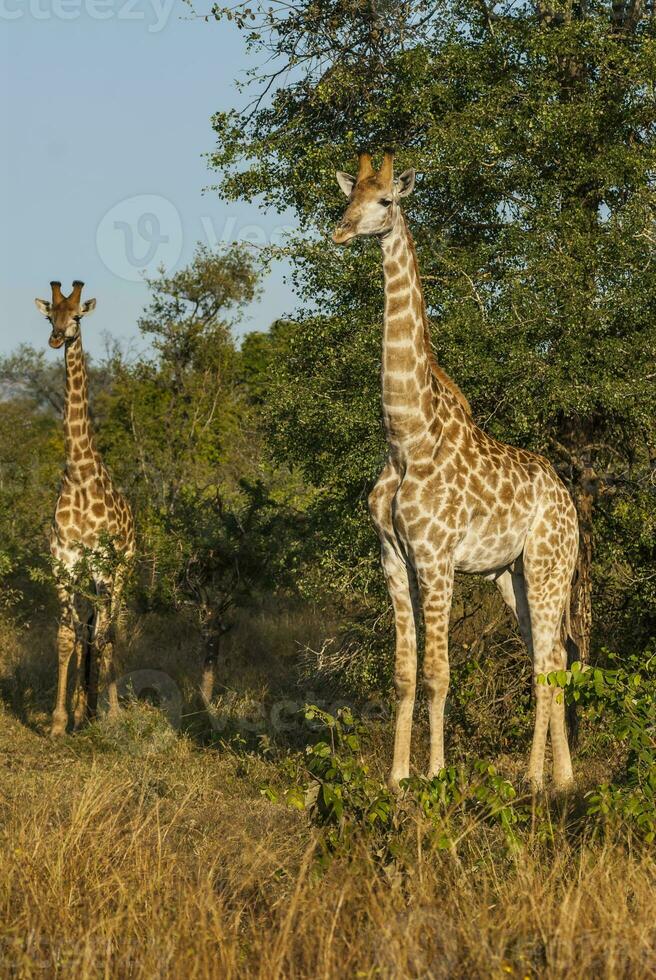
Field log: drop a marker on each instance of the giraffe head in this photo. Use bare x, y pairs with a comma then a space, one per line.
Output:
65, 312
373, 198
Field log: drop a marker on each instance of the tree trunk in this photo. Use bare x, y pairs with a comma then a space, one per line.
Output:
211, 655
212, 629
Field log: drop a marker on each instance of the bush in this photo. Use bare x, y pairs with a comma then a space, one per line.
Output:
623, 697
334, 784
138, 730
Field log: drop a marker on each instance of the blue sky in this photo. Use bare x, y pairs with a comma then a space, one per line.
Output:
105, 109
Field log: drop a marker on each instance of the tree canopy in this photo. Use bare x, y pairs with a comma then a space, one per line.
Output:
532, 129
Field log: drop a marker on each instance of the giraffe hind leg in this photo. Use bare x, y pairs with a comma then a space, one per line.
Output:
83, 674
562, 762
512, 586
98, 643
547, 588
116, 611
103, 670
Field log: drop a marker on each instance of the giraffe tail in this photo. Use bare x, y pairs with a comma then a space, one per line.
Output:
572, 650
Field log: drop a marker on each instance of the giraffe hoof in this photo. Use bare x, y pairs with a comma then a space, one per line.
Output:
564, 784
394, 783
79, 718
58, 727
534, 785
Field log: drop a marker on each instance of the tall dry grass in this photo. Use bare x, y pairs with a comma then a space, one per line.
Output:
170, 863
133, 851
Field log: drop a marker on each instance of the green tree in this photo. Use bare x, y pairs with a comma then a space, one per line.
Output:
31, 450
172, 416
180, 430
532, 128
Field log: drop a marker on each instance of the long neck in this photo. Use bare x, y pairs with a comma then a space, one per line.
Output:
409, 389
81, 455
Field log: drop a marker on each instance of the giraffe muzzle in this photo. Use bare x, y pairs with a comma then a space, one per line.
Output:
56, 340
343, 234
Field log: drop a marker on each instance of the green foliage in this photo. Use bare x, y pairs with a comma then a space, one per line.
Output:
188, 308
625, 539
31, 445
334, 784
260, 358
621, 699
180, 430
104, 562
532, 129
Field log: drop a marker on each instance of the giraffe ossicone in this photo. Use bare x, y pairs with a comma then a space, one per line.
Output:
451, 498
92, 523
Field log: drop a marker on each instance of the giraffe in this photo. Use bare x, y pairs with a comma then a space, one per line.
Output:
451, 498
89, 509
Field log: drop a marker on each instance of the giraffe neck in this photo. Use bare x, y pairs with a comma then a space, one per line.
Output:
81, 455
408, 382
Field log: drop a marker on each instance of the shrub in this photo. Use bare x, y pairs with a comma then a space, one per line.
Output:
623, 697
138, 730
334, 784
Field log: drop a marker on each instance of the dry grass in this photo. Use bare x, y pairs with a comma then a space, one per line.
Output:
166, 861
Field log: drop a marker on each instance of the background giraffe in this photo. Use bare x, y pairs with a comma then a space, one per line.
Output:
89, 513
451, 498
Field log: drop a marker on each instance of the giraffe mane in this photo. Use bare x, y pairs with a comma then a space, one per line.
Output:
438, 372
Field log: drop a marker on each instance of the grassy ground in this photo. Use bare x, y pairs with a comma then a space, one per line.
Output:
133, 850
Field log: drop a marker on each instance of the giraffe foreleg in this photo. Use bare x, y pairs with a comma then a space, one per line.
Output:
401, 586
402, 589
66, 641
436, 584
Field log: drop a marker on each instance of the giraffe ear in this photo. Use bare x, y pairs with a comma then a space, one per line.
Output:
406, 183
43, 306
88, 307
345, 181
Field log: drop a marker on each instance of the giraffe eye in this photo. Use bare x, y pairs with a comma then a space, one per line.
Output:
385, 201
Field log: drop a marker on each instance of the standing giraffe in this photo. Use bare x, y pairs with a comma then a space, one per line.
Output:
89, 510
451, 498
